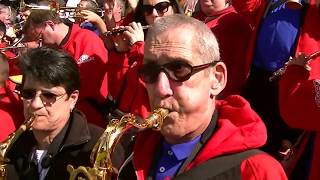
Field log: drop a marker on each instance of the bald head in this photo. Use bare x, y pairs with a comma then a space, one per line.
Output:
183, 28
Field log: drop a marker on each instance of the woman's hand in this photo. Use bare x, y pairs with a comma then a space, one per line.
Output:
89, 16
300, 60
134, 32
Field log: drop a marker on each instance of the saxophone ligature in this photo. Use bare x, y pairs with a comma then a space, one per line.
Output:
6, 145
101, 154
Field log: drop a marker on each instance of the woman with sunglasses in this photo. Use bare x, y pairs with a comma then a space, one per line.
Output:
60, 133
148, 11
126, 56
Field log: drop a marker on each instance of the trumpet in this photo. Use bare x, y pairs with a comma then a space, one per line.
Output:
121, 30
15, 48
282, 70
66, 12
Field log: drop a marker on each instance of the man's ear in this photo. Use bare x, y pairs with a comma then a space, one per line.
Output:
73, 98
51, 24
219, 81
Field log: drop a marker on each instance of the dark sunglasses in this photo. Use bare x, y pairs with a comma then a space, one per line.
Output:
160, 7
177, 71
48, 98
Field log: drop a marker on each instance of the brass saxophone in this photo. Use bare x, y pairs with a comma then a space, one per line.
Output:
101, 154
6, 145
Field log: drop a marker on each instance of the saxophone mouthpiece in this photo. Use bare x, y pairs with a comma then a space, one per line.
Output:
29, 122
155, 120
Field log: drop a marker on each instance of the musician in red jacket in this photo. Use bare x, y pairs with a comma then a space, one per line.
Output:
125, 58
184, 75
299, 99
88, 51
281, 29
11, 110
233, 33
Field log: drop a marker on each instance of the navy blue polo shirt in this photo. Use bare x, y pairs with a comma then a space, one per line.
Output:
276, 38
172, 157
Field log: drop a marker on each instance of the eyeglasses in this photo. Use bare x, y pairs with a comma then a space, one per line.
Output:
47, 97
177, 71
160, 7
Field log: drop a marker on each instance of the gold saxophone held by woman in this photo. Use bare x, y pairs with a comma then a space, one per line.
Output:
101, 154
6, 145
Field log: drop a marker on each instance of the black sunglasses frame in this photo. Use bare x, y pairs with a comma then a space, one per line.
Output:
48, 98
158, 68
161, 7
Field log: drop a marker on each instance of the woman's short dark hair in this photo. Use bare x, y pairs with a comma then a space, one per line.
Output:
51, 67
139, 13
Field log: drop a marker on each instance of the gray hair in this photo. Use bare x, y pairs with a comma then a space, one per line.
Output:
205, 43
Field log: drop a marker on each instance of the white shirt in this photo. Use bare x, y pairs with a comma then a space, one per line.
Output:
38, 157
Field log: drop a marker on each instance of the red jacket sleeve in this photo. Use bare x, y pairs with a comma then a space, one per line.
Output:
252, 10
299, 99
135, 97
262, 167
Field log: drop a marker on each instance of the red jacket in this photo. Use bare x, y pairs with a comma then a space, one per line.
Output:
123, 73
233, 34
308, 42
238, 129
252, 11
299, 91
11, 110
91, 56
13, 61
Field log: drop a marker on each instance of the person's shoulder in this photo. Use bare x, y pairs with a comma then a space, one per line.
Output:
262, 166
95, 130
95, 133
81, 34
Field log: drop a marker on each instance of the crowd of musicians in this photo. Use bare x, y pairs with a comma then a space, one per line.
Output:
240, 80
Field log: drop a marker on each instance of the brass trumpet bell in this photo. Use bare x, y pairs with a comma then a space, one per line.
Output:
293, 4
64, 12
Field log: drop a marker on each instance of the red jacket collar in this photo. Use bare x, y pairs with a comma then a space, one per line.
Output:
238, 128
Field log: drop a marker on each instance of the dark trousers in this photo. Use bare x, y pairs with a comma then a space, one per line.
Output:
263, 97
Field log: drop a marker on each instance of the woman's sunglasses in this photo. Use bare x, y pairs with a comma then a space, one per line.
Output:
177, 71
48, 98
160, 7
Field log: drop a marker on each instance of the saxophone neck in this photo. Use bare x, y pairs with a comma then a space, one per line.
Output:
6, 145
153, 121
104, 148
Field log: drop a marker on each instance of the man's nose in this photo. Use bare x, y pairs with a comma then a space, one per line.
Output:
154, 12
36, 102
162, 85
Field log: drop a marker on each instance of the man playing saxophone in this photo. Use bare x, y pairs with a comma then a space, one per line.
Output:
60, 133
183, 73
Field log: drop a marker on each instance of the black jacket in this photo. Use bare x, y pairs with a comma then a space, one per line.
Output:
73, 145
